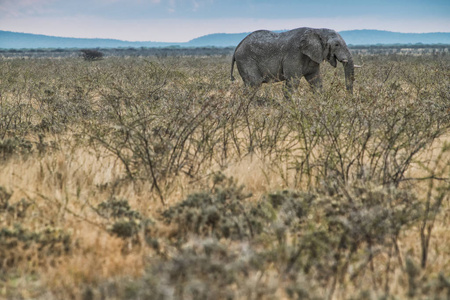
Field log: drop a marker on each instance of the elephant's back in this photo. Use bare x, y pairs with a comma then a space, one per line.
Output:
265, 37
260, 42
262, 37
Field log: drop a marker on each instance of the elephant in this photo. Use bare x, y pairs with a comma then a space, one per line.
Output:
265, 56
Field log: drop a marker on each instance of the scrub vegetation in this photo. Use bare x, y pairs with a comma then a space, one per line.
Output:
158, 178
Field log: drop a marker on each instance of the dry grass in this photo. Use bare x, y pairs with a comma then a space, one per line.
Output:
78, 168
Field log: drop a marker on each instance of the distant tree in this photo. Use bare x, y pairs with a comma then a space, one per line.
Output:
91, 55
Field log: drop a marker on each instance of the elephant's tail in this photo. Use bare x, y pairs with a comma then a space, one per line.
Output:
232, 66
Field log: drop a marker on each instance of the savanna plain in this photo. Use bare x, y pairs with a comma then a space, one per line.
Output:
159, 178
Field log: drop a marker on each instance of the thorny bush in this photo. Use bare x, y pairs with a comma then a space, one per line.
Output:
20, 245
127, 223
221, 212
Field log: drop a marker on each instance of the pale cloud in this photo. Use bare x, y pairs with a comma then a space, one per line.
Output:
123, 1
195, 5
15, 8
173, 5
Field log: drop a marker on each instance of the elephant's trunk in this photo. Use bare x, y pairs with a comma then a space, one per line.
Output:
349, 69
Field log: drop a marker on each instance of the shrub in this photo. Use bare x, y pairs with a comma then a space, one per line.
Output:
18, 244
220, 212
336, 233
127, 223
16, 145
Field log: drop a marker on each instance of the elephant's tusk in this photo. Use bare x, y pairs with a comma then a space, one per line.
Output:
345, 61
357, 66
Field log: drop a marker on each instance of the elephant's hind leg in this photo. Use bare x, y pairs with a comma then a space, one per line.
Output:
250, 74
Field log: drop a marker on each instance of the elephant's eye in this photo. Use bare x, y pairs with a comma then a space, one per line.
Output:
337, 45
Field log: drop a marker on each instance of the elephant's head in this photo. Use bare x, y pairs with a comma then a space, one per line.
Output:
326, 44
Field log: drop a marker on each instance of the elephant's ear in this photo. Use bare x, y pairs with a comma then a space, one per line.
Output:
311, 45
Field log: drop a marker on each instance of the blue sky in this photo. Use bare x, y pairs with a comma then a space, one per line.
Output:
183, 20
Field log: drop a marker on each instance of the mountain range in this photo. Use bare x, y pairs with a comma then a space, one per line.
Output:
16, 40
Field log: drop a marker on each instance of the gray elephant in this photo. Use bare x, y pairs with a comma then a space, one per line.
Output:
266, 56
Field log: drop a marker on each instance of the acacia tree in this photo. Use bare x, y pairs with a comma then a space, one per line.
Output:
91, 55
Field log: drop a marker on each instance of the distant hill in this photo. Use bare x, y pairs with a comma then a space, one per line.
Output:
351, 37
14, 40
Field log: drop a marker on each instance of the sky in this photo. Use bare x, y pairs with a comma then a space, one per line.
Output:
183, 20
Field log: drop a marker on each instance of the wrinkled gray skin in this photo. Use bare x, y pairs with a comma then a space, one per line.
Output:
266, 56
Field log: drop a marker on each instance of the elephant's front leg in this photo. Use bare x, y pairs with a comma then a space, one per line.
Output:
291, 84
315, 81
